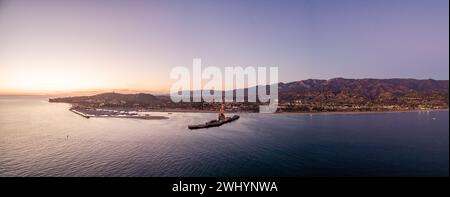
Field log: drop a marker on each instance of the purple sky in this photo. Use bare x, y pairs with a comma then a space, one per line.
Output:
134, 44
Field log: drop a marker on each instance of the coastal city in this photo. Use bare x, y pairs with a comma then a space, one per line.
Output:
308, 96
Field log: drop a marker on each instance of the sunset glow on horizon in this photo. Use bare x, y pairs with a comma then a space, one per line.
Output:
53, 46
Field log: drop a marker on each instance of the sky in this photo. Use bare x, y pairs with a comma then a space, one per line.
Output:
60, 46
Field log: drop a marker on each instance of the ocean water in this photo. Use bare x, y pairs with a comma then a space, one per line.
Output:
38, 138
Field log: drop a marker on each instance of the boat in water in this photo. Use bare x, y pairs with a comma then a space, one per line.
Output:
214, 123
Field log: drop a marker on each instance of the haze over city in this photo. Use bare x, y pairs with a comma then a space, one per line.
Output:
55, 46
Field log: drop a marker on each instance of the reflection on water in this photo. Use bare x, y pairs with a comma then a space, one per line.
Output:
38, 138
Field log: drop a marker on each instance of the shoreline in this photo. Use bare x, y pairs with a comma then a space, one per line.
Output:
363, 112
159, 117
302, 113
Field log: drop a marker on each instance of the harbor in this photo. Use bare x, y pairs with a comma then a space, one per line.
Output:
108, 113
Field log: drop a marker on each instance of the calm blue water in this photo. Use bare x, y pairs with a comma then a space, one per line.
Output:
33, 142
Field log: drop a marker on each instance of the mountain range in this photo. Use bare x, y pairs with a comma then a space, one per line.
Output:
337, 94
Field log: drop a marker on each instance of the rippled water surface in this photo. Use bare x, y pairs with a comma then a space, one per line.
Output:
33, 142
